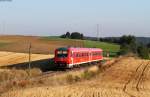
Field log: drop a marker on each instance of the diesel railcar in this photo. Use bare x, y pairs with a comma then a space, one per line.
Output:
69, 57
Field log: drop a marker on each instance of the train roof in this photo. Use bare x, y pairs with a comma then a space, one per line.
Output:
80, 49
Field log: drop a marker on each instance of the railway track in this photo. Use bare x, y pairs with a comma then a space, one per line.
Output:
136, 78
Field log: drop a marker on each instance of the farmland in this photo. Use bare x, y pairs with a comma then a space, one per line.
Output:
127, 77
10, 58
47, 45
87, 43
120, 77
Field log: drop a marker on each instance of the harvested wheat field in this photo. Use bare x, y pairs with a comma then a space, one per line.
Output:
127, 77
10, 58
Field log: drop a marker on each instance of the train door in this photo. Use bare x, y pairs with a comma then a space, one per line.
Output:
72, 55
90, 56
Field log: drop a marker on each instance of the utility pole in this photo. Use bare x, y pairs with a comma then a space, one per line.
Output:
29, 58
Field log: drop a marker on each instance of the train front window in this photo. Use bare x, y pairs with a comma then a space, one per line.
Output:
62, 53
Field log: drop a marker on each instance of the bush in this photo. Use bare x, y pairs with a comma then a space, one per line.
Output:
128, 45
69, 78
87, 74
143, 52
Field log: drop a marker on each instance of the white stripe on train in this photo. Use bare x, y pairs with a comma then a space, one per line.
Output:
71, 65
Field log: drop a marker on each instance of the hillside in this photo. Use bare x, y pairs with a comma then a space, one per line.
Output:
127, 77
46, 45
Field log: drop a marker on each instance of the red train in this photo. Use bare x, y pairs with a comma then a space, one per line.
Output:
69, 57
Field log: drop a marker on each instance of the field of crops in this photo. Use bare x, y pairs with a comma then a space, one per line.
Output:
128, 77
46, 45
10, 58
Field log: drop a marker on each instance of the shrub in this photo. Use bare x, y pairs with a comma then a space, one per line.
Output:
69, 78
77, 78
23, 83
88, 74
143, 52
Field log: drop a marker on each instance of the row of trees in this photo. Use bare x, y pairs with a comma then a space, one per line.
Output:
148, 45
73, 35
129, 45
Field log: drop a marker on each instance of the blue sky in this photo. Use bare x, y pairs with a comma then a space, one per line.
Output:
55, 17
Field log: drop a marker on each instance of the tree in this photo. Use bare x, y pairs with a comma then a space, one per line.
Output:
143, 52
76, 35
148, 45
68, 35
128, 44
63, 36
82, 36
124, 49
127, 39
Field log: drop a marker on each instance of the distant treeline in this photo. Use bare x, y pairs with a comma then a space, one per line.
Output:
73, 35
130, 44
140, 40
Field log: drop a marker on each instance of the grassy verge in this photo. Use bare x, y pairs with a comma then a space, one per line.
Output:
13, 78
19, 79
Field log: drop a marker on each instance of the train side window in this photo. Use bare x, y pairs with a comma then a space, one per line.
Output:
82, 54
77, 55
74, 55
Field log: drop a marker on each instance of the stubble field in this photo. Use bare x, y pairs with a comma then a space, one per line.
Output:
127, 77
11, 58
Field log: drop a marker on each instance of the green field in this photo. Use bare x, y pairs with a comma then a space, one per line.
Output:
107, 47
88, 43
